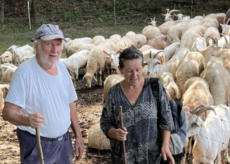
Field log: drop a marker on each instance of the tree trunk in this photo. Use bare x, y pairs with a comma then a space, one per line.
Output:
2, 11
33, 12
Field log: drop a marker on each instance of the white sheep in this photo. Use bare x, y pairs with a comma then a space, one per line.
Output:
155, 66
74, 46
6, 72
6, 57
26, 58
190, 66
196, 92
98, 39
75, 62
3, 92
212, 136
110, 81
225, 56
153, 22
225, 39
168, 16
159, 41
96, 61
97, 139
189, 36
86, 40
115, 38
130, 33
140, 40
165, 26
170, 86
211, 35
150, 31
218, 79
19, 52
170, 50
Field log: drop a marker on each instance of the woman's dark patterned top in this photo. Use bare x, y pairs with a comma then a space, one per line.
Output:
143, 144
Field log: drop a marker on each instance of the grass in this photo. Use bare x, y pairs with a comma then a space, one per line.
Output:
15, 32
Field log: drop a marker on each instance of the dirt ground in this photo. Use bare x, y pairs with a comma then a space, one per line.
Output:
89, 113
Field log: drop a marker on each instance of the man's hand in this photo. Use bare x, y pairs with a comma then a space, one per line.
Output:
79, 148
36, 119
166, 153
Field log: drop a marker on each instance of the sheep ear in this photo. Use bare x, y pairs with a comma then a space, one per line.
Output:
105, 52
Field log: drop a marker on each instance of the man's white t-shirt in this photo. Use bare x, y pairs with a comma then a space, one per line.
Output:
34, 90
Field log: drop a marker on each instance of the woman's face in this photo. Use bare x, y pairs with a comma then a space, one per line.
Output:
132, 71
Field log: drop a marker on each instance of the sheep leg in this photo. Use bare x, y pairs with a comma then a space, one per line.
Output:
186, 146
73, 78
227, 160
76, 79
218, 158
100, 77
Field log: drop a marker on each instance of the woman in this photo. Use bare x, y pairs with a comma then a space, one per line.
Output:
145, 137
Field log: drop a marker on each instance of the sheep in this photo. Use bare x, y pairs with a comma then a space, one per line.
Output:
211, 137
179, 16
210, 23
96, 61
224, 27
26, 58
211, 35
6, 57
19, 52
227, 32
154, 65
110, 81
123, 43
86, 40
159, 41
153, 53
6, 72
212, 50
170, 86
227, 16
75, 62
196, 92
150, 31
218, 79
97, 139
74, 46
190, 66
168, 16
169, 51
98, 39
130, 33
189, 36
165, 26
64, 43
3, 92
225, 39
140, 40
115, 38
153, 22
199, 44
225, 56
175, 32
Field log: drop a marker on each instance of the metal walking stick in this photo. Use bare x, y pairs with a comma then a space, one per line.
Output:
121, 126
39, 145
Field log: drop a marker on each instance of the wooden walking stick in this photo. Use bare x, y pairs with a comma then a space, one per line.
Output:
121, 126
39, 145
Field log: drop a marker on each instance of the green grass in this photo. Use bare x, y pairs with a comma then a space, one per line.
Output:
15, 32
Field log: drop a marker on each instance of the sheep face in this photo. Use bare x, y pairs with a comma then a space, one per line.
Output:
193, 124
89, 77
6, 57
153, 66
224, 28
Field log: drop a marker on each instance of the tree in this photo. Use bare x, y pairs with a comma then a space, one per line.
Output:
33, 11
2, 11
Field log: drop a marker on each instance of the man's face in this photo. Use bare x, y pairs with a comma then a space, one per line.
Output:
49, 52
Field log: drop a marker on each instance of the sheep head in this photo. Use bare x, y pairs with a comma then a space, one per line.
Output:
89, 77
153, 66
153, 22
179, 16
168, 16
194, 122
225, 26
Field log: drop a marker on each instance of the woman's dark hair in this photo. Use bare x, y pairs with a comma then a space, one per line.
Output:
129, 54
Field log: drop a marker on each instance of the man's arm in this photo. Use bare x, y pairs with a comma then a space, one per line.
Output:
11, 113
79, 147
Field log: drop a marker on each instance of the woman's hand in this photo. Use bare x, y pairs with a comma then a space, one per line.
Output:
119, 134
166, 153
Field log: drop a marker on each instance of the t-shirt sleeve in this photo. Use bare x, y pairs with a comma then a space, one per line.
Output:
18, 90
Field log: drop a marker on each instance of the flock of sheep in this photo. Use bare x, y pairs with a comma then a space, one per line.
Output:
190, 56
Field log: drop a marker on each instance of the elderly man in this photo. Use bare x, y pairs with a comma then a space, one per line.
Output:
42, 95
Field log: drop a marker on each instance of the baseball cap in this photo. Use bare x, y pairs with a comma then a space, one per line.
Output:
49, 32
